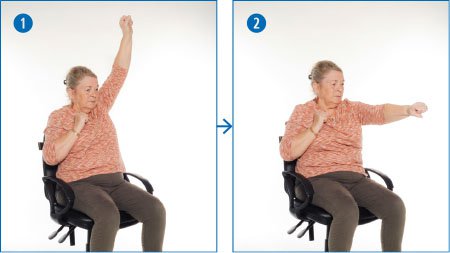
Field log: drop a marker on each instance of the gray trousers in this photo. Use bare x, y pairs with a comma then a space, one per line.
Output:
341, 192
102, 196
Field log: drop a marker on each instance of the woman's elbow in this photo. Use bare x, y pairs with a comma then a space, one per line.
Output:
285, 153
52, 161
288, 158
50, 156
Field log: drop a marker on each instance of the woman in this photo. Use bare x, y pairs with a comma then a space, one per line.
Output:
325, 136
81, 138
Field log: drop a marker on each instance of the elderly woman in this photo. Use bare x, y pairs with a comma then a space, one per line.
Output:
81, 138
324, 134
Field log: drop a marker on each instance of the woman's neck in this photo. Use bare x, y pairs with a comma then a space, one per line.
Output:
327, 107
77, 108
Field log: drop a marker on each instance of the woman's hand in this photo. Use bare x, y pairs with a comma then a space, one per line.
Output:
319, 118
126, 24
80, 120
417, 109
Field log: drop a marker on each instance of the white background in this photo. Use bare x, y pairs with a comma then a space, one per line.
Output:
164, 114
390, 52
265, 227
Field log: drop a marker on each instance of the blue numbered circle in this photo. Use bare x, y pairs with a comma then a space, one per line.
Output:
256, 23
23, 23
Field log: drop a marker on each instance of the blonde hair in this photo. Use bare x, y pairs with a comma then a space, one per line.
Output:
76, 74
321, 68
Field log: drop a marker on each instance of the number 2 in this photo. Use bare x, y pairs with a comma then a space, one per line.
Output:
256, 24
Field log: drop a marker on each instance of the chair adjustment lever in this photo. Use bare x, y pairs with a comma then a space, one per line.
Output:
303, 232
290, 231
63, 238
54, 234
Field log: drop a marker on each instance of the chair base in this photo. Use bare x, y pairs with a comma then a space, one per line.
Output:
310, 230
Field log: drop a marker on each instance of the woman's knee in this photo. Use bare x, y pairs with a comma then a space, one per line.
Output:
150, 209
157, 209
106, 216
397, 208
346, 210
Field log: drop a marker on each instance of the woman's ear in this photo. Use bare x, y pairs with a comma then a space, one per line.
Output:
315, 87
70, 93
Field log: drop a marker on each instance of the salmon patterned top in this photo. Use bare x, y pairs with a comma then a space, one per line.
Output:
338, 144
96, 150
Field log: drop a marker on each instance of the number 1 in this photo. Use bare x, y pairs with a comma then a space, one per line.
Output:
23, 23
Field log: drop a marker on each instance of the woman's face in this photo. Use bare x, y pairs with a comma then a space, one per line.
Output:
84, 95
331, 89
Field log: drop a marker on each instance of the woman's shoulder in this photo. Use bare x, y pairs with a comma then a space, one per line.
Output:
301, 110
61, 118
307, 105
353, 104
61, 113
349, 103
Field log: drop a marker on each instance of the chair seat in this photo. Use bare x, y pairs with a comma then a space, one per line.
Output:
317, 214
81, 220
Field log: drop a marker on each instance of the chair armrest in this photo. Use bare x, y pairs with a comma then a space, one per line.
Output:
383, 176
305, 184
144, 181
50, 192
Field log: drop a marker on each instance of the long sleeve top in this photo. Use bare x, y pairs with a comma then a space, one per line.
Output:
96, 150
338, 144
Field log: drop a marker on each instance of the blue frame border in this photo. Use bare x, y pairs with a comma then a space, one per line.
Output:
339, 1
232, 88
232, 120
215, 124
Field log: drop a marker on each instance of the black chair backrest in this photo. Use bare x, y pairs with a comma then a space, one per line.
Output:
49, 171
290, 165
289, 182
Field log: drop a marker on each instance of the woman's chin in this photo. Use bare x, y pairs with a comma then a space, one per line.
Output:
88, 108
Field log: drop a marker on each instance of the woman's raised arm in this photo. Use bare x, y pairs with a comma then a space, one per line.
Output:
123, 57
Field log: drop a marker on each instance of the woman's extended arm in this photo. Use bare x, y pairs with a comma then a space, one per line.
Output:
397, 112
123, 57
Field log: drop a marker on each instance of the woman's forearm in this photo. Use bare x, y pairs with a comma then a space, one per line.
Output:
395, 112
299, 144
123, 57
64, 144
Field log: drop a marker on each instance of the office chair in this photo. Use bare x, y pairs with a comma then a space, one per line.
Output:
68, 217
305, 211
